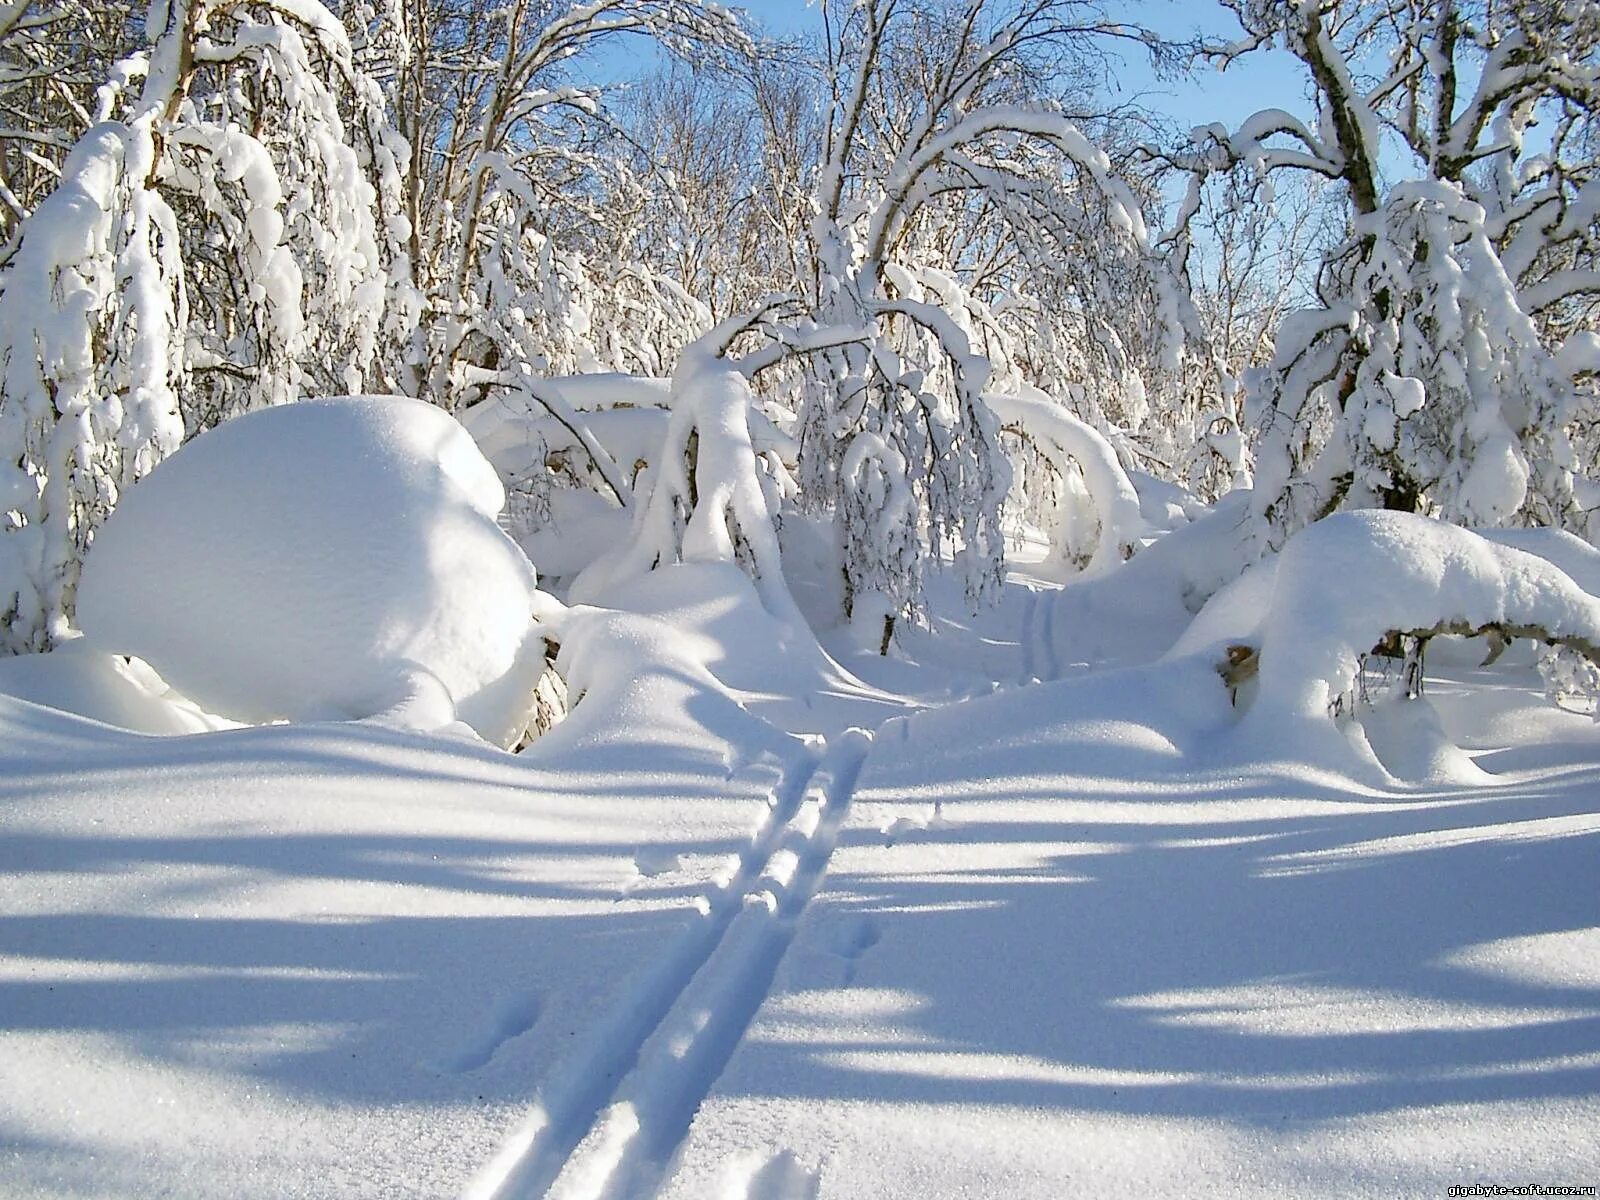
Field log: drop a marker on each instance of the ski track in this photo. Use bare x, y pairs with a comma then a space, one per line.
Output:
1025, 635
1038, 648
609, 1120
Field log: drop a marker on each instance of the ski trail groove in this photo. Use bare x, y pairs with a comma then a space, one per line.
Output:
635, 1139
1025, 635
1042, 656
607, 1108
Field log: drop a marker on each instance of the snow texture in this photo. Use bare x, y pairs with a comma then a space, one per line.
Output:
1066, 938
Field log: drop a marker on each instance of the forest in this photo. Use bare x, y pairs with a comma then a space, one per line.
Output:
854, 598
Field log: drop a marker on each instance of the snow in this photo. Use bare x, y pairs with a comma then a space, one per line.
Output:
926, 795
710, 936
1065, 440
327, 960
334, 557
103, 687
1111, 959
1349, 579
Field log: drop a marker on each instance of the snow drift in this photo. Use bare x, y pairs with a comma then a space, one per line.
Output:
1349, 579
334, 558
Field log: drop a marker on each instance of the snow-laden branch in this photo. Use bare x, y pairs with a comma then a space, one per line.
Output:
706, 500
1347, 581
1064, 440
890, 214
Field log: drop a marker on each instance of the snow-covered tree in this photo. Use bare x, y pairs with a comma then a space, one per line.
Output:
53, 55
712, 497
1426, 377
518, 255
214, 244
950, 118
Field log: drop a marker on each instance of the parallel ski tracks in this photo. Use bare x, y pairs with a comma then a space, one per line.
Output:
608, 1123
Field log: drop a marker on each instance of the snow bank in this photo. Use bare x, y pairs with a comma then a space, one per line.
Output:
1136, 611
1349, 579
78, 679
330, 558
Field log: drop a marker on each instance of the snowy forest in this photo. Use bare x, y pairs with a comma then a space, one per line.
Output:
855, 598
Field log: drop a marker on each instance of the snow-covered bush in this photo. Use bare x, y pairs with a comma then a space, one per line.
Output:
1448, 398
1071, 445
53, 55
523, 263
711, 497
334, 558
91, 348
1349, 580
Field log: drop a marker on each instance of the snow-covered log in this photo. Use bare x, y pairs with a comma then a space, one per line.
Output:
1349, 580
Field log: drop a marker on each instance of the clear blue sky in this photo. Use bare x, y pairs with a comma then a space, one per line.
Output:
1264, 80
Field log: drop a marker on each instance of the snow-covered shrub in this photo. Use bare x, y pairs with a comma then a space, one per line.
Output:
53, 55
876, 499
1352, 578
523, 263
91, 350
334, 558
945, 135
1448, 396
1570, 679
1073, 446
711, 497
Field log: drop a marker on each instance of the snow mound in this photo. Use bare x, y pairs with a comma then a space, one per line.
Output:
333, 558
1349, 579
1136, 611
77, 679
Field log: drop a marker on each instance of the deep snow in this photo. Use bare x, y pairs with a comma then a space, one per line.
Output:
702, 940
331, 558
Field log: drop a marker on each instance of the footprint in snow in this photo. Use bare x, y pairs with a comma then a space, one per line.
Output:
832, 952
902, 828
852, 937
651, 861
512, 1018
780, 1177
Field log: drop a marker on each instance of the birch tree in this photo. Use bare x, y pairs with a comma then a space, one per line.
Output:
935, 109
512, 243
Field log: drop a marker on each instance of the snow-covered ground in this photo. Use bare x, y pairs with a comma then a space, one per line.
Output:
702, 940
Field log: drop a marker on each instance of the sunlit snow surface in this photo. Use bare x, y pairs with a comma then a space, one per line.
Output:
1060, 939
1074, 954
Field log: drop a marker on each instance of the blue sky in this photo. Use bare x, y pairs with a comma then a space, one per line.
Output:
1263, 80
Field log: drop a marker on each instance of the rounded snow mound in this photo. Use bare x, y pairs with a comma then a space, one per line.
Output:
1345, 581
332, 558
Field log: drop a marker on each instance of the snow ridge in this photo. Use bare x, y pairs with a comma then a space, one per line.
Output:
609, 1121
